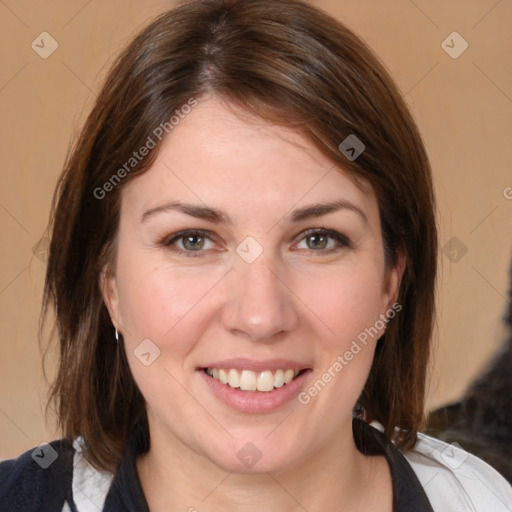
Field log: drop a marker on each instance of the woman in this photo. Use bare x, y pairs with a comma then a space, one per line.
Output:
242, 267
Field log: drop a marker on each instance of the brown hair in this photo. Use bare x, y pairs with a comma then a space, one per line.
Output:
288, 63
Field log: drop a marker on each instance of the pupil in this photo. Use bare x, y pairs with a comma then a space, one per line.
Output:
317, 236
190, 239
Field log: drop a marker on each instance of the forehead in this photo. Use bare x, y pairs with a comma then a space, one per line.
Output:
230, 159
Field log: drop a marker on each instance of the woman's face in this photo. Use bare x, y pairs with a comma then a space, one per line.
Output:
222, 264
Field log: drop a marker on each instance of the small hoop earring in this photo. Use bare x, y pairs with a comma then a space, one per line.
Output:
117, 336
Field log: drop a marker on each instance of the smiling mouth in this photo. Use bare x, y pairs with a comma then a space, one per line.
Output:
248, 380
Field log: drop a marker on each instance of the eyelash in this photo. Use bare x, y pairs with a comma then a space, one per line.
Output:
342, 240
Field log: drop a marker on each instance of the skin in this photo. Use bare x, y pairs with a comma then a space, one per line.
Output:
296, 300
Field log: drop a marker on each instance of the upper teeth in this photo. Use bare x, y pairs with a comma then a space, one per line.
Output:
247, 380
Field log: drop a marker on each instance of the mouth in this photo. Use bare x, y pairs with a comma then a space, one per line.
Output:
248, 380
248, 386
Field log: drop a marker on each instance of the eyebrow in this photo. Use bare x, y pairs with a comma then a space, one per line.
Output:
219, 217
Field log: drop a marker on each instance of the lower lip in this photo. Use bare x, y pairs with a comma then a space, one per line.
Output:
256, 402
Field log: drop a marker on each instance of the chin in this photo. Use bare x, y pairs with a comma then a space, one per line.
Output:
258, 457
257, 467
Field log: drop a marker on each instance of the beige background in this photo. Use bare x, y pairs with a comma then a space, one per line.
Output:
463, 107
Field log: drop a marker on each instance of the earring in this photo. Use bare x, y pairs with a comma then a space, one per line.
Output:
117, 336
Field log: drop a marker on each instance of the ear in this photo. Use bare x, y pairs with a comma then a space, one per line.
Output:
108, 287
394, 279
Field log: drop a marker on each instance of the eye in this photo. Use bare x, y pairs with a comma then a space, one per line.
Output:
193, 243
186, 243
324, 240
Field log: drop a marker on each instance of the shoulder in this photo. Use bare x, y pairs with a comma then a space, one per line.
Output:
456, 480
39, 479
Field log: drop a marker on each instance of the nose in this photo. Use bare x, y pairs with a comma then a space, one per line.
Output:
260, 305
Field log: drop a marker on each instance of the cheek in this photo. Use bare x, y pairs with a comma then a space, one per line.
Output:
157, 302
346, 303
160, 305
349, 308
145, 302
